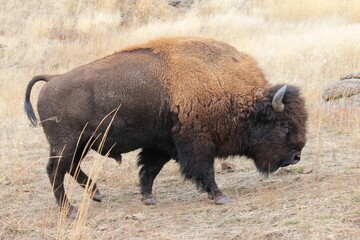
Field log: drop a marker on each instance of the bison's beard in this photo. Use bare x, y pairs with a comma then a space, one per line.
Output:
267, 164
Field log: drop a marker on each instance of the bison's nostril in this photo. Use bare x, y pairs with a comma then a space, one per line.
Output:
296, 158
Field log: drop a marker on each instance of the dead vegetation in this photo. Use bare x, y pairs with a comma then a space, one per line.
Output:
308, 45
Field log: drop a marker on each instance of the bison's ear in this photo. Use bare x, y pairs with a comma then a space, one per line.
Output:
264, 111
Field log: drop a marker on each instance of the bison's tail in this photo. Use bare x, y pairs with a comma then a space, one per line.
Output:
28, 106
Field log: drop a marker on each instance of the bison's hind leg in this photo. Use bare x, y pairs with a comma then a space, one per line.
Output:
59, 163
66, 158
80, 176
151, 162
84, 181
116, 156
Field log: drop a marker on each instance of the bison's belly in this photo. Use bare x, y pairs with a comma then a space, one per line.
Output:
123, 141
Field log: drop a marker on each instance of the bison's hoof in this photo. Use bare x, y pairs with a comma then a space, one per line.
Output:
72, 213
149, 201
222, 200
97, 196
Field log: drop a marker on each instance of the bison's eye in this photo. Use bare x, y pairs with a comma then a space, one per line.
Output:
284, 127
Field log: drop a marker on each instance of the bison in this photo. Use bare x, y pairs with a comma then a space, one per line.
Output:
184, 98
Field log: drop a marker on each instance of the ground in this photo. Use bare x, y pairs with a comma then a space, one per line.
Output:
322, 204
309, 45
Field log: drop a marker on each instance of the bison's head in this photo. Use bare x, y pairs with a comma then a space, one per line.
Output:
277, 129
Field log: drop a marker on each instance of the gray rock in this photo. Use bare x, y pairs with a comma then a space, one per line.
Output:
343, 88
350, 76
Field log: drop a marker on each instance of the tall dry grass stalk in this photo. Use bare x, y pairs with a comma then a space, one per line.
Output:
78, 227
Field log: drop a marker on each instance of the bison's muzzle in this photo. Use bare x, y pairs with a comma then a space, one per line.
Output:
293, 159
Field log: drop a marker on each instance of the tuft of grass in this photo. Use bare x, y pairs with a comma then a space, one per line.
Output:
299, 170
307, 226
291, 222
328, 216
258, 221
355, 213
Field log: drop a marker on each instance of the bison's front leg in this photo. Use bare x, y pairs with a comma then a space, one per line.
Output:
152, 162
207, 182
196, 157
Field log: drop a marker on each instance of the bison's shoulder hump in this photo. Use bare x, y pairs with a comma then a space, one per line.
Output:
190, 46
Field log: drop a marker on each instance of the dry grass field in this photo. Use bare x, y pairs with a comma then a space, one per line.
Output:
307, 43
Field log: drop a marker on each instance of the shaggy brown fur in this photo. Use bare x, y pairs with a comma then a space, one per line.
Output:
186, 98
211, 85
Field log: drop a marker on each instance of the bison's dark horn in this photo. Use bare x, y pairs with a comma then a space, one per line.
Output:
277, 104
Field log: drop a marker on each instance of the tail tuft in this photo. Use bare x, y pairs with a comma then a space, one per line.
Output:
28, 106
31, 114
